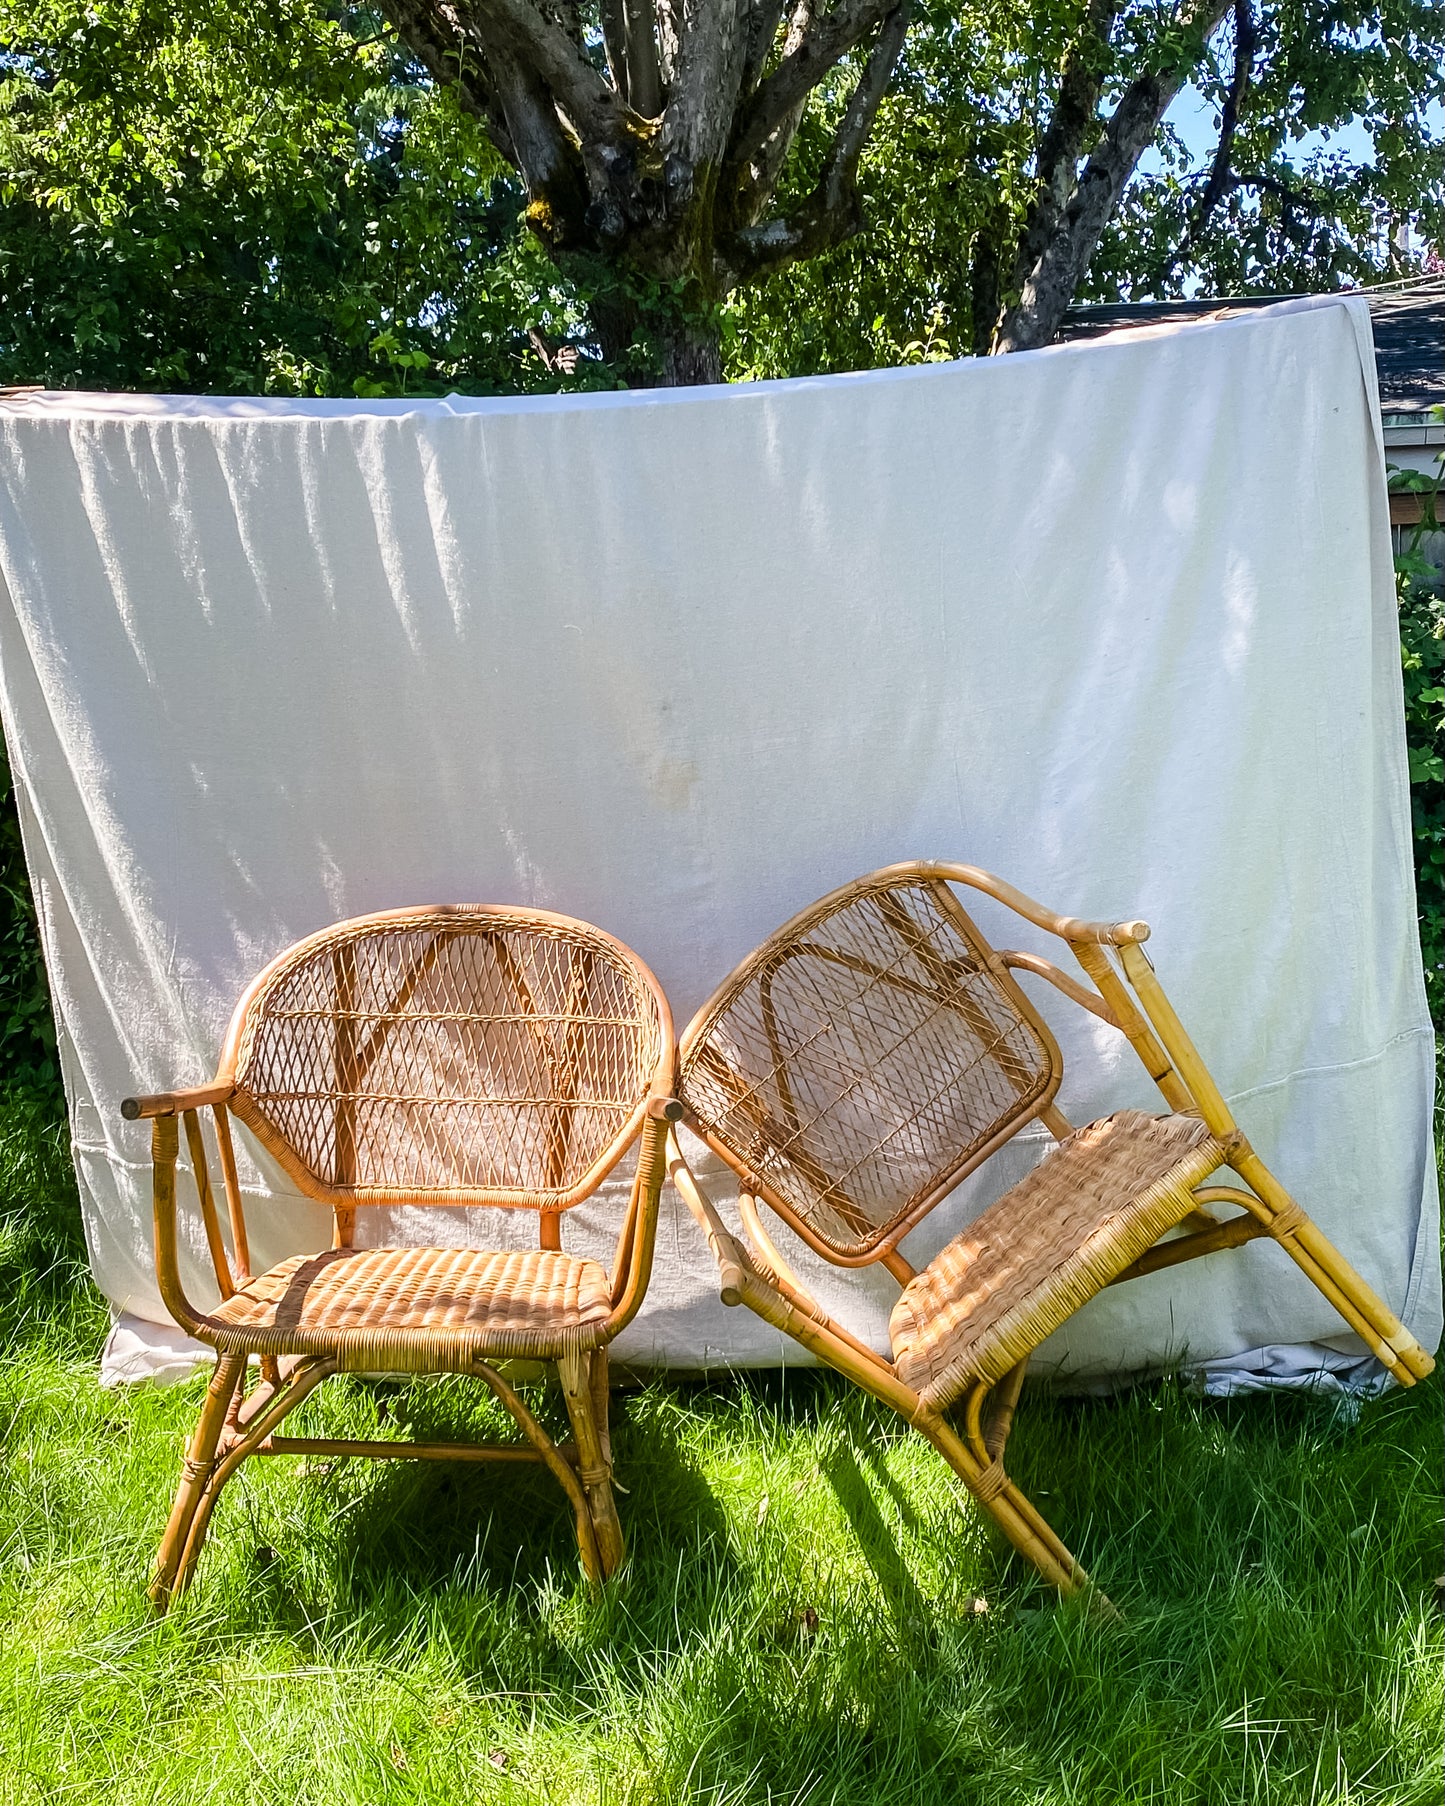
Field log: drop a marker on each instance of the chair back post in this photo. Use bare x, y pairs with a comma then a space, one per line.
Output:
343, 971
235, 1209
1205, 1095
1094, 959
200, 1166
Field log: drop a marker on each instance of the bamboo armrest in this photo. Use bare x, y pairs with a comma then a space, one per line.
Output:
171, 1103
1069, 928
732, 1261
743, 1280
166, 1111
165, 1145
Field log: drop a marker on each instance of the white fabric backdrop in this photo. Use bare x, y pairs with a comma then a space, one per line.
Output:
1115, 620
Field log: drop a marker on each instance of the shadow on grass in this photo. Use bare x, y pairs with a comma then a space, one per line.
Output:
840, 1464
469, 1543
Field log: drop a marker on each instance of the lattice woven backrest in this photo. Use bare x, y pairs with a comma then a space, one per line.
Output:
862, 1057
447, 1054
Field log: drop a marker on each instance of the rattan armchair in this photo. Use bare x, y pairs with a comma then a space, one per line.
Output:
435, 1056
875, 1050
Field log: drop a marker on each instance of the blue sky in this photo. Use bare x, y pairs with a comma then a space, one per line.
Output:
1197, 123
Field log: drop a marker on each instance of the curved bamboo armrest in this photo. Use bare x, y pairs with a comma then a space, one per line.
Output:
732, 1260
165, 1111
172, 1103
633, 1265
165, 1146
1068, 928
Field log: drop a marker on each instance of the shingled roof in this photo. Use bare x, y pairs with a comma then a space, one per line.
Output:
1408, 322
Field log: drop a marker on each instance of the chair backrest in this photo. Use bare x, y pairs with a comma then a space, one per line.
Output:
459, 1056
864, 1058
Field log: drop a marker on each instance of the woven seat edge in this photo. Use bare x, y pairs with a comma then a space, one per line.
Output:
1100, 1258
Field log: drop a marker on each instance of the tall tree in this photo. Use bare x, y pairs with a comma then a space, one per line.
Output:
654, 138
1307, 154
195, 194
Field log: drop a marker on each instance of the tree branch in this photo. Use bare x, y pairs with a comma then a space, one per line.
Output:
831, 212
566, 15
706, 77
827, 39
1246, 42
614, 42
1074, 119
841, 165
749, 193
451, 59
548, 161
597, 112
669, 29
644, 77
1063, 260
764, 18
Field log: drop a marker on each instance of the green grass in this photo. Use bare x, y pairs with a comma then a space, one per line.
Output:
801, 1621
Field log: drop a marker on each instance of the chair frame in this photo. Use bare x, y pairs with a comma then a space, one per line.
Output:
1124, 992
235, 1424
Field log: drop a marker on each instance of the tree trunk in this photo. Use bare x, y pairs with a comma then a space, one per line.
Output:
660, 169
691, 353
654, 348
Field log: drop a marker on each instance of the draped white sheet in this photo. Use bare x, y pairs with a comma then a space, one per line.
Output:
1115, 620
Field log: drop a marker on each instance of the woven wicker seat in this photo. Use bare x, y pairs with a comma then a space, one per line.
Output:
448, 1056
1103, 1196
878, 1048
418, 1309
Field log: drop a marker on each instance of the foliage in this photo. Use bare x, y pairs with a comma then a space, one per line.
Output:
280, 200
27, 1028
1000, 154
1422, 636
945, 184
1294, 211
945, 168
254, 200
812, 1613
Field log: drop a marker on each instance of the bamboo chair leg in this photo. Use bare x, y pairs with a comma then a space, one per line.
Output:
562, 1471
1004, 1403
988, 1417
1015, 1514
303, 1379
1317, 1257
196, 1471
602, 1400
594, 1465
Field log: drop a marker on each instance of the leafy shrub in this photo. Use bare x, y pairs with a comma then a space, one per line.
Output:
28, 1059
1422, 644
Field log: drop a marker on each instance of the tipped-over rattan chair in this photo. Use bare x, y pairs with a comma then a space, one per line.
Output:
875, 1050
445, 1056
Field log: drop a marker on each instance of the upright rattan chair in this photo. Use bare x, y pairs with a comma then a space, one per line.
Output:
875, 1050
468, 1056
